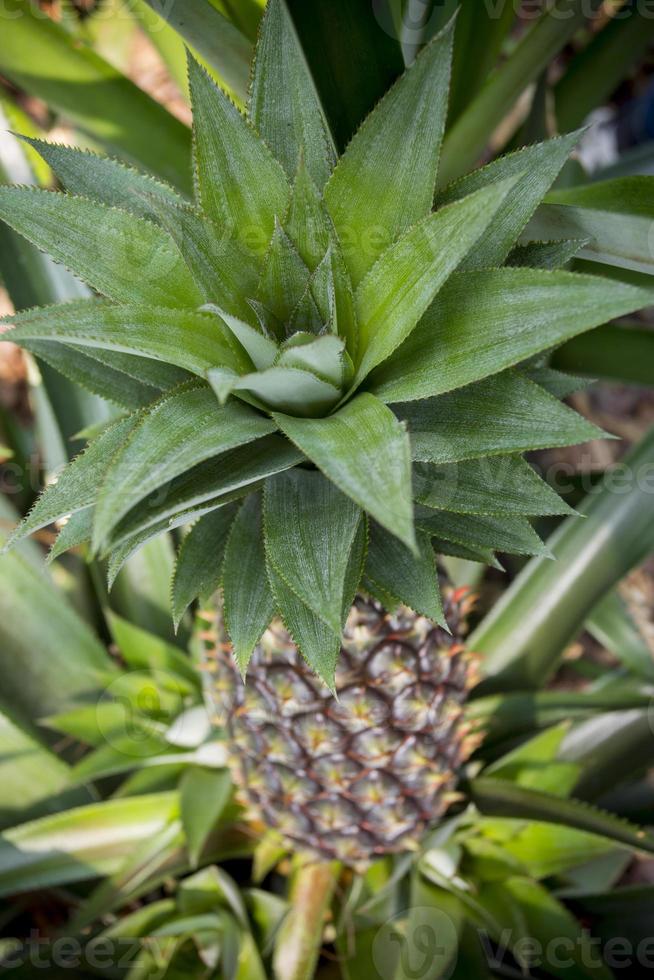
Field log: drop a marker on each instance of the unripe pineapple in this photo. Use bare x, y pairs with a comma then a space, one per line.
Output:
330, 367
363, 774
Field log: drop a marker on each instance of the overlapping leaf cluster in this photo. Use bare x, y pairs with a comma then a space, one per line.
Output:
329, 377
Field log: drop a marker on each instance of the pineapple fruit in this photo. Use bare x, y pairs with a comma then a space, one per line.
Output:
330, 367
366, 773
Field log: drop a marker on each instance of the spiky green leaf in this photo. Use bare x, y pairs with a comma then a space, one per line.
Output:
123, 257
240, 184
518, 312
185, 427
310, 528
413, 580
249, 604
384, 182
198, 570
365, 451
294, 124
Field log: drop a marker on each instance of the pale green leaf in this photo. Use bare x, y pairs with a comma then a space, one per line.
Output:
310, 528
535, 168
292, 125
504, 414
518, 312
397, 290
80, 844
240, 184
365, 451
384, 182
323, 356
411, 579
249, 604
260, 349
198, 570
189, 340
285, 389
124, 257
489, 485
319, 645
185, 427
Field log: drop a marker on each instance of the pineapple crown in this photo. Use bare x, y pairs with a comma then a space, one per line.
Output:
328, 366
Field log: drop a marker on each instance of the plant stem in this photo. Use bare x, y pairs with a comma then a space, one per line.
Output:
300, 937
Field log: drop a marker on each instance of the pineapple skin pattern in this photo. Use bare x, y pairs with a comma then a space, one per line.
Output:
363, 774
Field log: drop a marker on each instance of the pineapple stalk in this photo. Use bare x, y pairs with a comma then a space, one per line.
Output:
301, 935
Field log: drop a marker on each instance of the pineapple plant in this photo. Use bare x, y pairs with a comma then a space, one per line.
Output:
330, 366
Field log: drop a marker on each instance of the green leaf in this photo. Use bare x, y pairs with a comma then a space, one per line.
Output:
198, 571
398, 289
319, 645
616, 353
519, 312
294, 125
612, 625
249, 604
240, 184
513, 535
144, 651
285, 277
310, 528
204, 794
189, 340
545, 255
365, 451
499, 798
47, 61
124, 257
131, 388
35, 780
535, 764
352, 59
215, 37
523, 639
503, 414
307, 224
209, 485
104, 179
534, 169
80, 844
556, 382
614, 215
413, 580
77, 486
384, 182
185, 427
490, 485
224, 265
